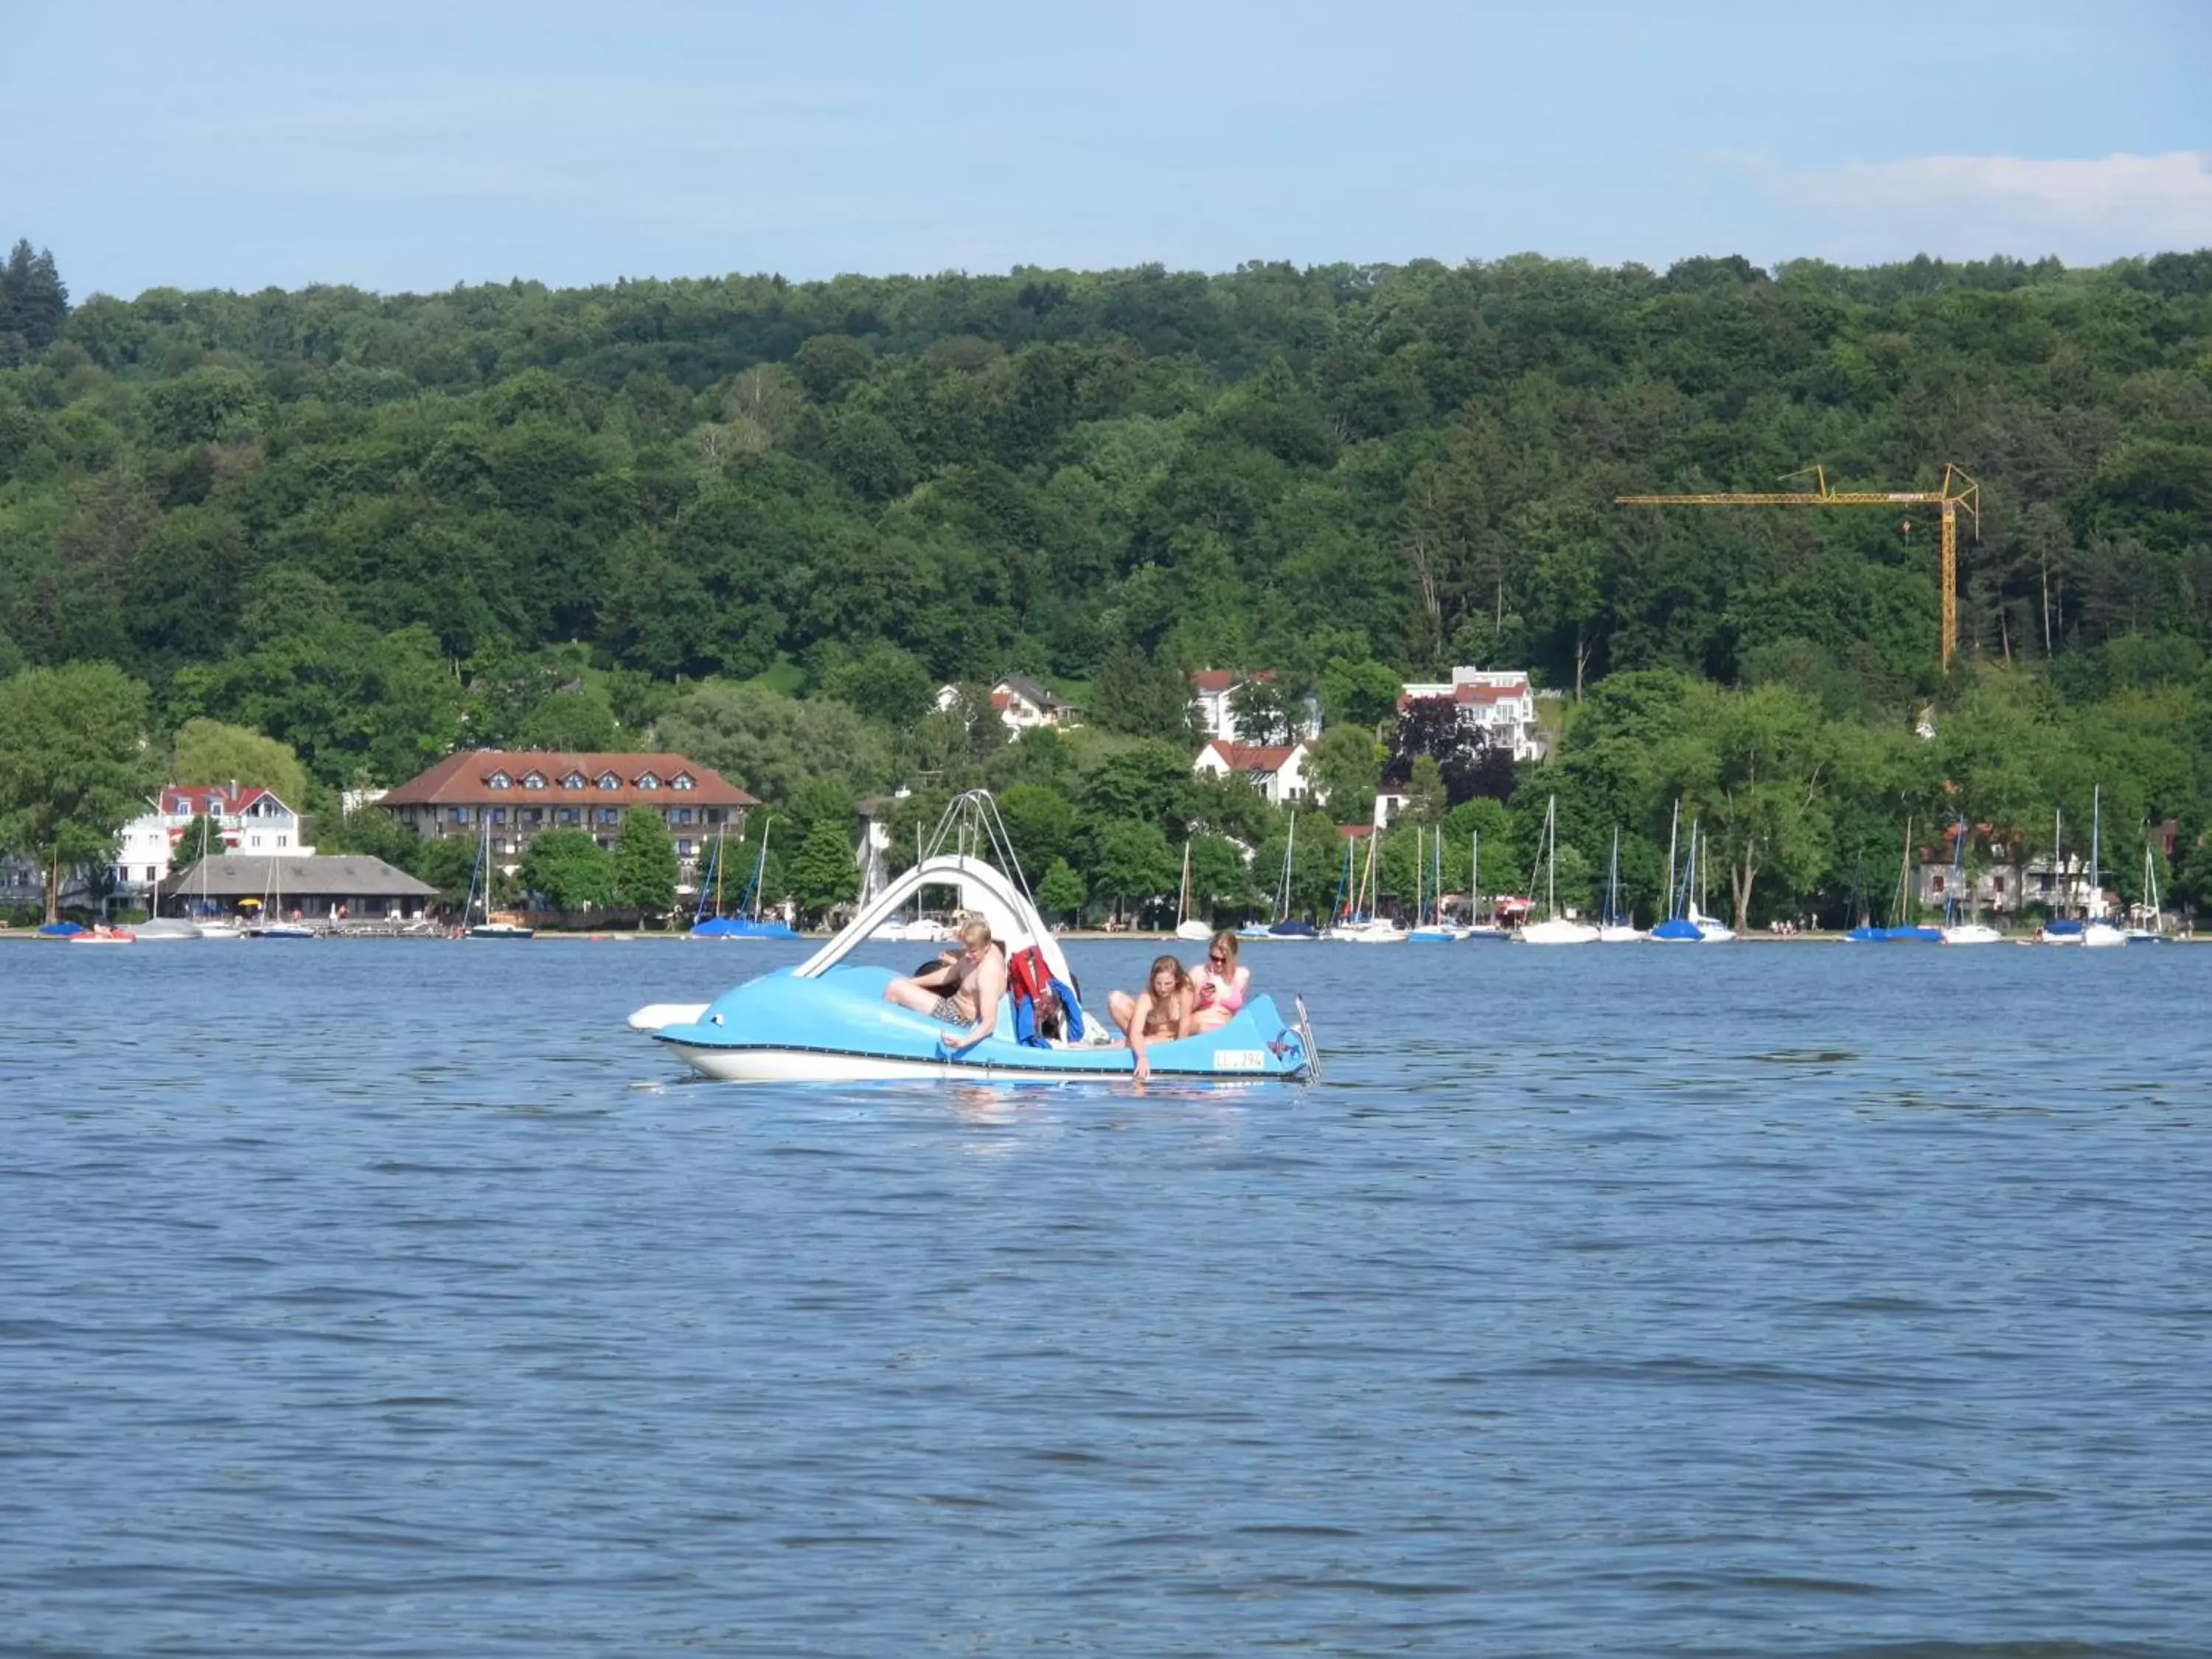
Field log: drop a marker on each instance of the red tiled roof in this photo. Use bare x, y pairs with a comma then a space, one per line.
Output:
215, 799
461, 780
1253, 757
1214, 681
1490, 693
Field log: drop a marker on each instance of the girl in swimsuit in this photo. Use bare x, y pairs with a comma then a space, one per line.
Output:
1221, 985
1166, 1010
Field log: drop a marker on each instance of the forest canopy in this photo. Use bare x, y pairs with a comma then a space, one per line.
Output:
375, 527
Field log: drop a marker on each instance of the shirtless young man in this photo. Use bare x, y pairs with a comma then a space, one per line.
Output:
970, 1003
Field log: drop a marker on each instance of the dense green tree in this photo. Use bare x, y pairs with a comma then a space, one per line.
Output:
823, 874
209, 751
75, 765
570, 869
645, 866
1061, 893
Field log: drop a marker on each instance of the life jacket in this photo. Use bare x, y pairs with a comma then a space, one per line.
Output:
1028, 974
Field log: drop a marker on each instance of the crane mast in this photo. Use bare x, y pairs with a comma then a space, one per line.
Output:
1956, 492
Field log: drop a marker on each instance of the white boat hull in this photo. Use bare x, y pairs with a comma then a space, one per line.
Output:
2102, 936
1557, 932
1973, 932
1618, 935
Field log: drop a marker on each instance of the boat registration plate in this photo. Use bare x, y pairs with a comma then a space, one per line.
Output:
1241, 1060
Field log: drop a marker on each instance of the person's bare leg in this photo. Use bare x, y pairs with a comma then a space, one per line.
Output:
1121, 1008
911, 993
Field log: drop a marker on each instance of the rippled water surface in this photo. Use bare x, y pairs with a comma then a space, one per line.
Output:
391, 1299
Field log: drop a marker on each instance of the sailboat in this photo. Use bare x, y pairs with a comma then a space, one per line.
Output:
2098, 931
1969, 932
1187, 926
1711, 930
1554, 929
272, 924
210, 925
1359, 924
747, 923
1429, 927
1900, 931
2152, 929
1614, 924
1678, 928
158, 928
2060, 929
1478, 931
480, 878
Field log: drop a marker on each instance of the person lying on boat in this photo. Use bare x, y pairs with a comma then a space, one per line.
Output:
1166, 1008
970, 1002
1219, 984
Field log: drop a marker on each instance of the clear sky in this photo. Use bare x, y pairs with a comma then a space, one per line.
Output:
410, 144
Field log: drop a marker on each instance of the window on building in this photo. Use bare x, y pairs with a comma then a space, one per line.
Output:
498, 814
535, 781
610, 814
681, 780
569, 815
574, 781
682, 815
283, 840
684, 849
533, 815
646, 781
459, 814
609, 781
499, 781
256, 841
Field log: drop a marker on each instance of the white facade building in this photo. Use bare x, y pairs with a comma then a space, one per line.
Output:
1279, 769
250, 818
1211, 689
1500, 704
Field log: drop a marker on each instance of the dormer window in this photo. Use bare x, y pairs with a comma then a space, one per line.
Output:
647, 781
499, 781
535, 781
574, 781
681, 780
609, 781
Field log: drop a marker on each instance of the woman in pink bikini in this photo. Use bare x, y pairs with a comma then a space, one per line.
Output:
1221, 985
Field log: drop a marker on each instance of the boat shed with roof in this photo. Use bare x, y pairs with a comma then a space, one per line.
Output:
344, 886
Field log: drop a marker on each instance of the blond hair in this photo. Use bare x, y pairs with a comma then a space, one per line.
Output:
975, 933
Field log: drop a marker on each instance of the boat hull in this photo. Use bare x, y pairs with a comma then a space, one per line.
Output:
839, 1029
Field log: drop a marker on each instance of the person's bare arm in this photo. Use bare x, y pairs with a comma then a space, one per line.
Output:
1187, 1024
1138, 1019
990, 986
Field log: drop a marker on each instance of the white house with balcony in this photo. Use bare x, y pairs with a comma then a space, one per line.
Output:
1022, 702
1501, 705
1212, 689
1277, 770
250, 819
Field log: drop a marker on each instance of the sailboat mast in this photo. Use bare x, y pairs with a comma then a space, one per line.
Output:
1673, 869
1474, 876
2096, 834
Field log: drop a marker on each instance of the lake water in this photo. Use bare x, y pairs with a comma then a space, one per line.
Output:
391, 1299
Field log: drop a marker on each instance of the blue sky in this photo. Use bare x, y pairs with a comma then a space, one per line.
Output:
406, 145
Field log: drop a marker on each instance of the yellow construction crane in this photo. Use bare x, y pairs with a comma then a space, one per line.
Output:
1948, 496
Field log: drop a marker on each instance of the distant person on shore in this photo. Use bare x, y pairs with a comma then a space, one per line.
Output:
1166, 1008
964, 994
1220, 984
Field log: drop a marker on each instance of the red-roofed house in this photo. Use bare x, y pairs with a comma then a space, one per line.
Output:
1210, 692
521, 792
250, 817
1502, 706
1279, 769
